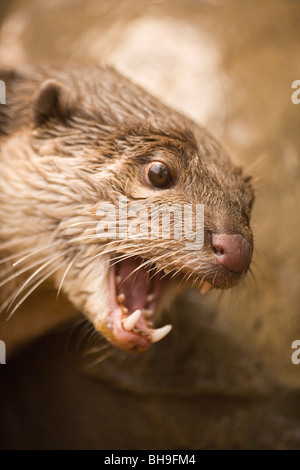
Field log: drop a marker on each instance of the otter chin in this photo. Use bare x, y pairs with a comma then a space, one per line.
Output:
78, 138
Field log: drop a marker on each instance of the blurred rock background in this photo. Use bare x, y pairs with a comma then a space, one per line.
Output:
224, 378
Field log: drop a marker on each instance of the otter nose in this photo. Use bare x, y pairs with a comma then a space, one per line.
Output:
232, 251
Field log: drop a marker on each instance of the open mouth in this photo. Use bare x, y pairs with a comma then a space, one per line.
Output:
135, 288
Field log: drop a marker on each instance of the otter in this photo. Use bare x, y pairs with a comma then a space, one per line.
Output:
78, 137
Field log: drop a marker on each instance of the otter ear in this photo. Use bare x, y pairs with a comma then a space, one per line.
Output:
53, 99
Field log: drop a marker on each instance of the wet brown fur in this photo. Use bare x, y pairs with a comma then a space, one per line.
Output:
70, 139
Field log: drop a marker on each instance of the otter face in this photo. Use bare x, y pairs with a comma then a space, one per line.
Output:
121, 201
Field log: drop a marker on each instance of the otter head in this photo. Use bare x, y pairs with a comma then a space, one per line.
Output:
119, 199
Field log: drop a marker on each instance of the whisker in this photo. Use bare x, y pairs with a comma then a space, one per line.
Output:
34, 252
65, 274
46, 276
101, 359
87, 222
22, 271
82, 238
96, 349
34, 274
24, 240
15, 255
123, 256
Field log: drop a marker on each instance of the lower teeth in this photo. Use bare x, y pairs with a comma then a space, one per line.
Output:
148, 313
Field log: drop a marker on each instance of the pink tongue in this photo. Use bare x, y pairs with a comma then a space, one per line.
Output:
134, 285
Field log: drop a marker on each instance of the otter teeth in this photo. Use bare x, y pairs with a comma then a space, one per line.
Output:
150, 297
160, 333
148, 313
205, 287
130, 322
118, 280
120, 298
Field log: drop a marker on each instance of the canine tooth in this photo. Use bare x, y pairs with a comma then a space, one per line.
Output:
160, 333
205, 287
130, 322
124, 309
118, 280
150, 297
120, 298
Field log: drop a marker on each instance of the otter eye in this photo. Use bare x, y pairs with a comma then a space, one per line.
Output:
158, 174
